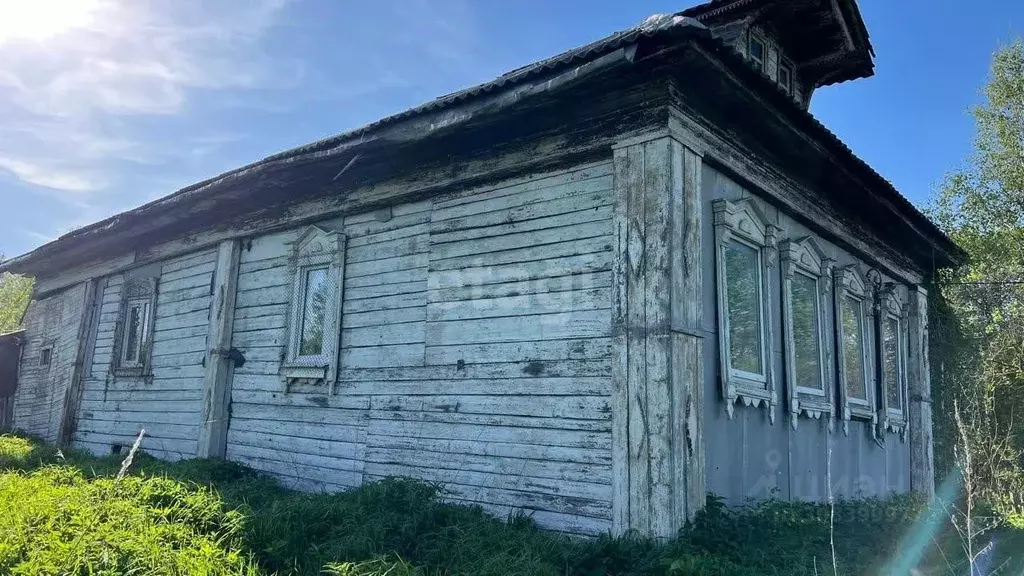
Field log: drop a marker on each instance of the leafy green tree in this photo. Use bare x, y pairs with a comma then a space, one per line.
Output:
981, 351
15, 292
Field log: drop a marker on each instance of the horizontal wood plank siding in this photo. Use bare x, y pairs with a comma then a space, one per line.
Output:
475, 352
39, 399
168, 403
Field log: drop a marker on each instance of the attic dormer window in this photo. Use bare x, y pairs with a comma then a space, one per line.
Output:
755, 50
786, 77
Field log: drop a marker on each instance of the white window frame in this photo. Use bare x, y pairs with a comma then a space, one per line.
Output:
787, 88
135, 292
894, 419
315, 248
805, 257
850, 282
743, 221
762, 61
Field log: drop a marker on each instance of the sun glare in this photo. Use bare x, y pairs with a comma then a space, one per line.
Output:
39, 20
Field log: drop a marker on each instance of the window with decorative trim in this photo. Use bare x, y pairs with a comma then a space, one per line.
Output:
133, 342
317, 264
892, 353
806, 288
745, 245
756, 49
854, 314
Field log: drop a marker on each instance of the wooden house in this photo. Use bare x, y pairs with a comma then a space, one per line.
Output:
595, 288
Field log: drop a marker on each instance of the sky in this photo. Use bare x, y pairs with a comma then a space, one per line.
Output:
108, 104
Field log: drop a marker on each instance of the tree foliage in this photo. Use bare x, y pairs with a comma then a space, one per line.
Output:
978, 327
15, 292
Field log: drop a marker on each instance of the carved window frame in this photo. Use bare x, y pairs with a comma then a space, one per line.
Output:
805, 257
761, 63
743, 221
314, 249
136, 293
893, 308
851, 283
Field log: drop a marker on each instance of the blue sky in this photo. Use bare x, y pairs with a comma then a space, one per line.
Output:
107, 104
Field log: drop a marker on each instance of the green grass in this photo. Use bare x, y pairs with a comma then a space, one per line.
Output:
67, 514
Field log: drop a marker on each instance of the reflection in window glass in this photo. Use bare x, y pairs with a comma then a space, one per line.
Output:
135, 325
743, 294
853, 348
314, 313
756, 50
807, 351
891, 361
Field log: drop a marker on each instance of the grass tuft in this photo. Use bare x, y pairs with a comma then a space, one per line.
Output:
65, 513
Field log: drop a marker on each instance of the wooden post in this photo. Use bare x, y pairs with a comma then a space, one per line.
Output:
213, 432
86, 333
657, 448
922, 464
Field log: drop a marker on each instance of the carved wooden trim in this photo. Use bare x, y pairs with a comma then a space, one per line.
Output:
894, 419
743, 221
135, 290
804, 256
315, 248
850, 282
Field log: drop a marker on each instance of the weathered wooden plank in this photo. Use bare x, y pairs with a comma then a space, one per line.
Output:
539, 227
401, 316
494, 449
603, 426
187, 261
381, 356
213, 421
281, 398
510, 385
528, 212
169, 405
544, 406
419, 228
478, 246
497, 370
538, 352
383, 335
389, 249
353, 293
373, 264
192, 319
293, 467
411, 300
502, 489
582, 324
526, 254
342, 455
533, 189
541, 303
519, 271
250, 422
519, 467
512, 289
509, 434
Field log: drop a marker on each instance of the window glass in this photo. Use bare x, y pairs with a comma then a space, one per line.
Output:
743, 294
135, 323
807, 351
44, 356
314, 313
891, 361
785, 77
756, 50
853, 347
